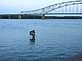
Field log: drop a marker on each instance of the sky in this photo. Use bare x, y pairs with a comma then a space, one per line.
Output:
15, 6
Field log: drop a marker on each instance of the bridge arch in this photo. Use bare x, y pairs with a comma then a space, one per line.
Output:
45, 10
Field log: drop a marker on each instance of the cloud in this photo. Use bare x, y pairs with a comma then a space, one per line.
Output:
26, 5
79, 0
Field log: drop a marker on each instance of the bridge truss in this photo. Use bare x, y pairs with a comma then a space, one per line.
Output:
46, 10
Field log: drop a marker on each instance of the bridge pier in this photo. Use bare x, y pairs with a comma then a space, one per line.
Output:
43, 16
9, 17
19, 16
0, 17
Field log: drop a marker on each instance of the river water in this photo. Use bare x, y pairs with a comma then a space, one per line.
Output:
56, 39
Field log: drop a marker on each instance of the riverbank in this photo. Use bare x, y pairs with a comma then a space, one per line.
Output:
28, 16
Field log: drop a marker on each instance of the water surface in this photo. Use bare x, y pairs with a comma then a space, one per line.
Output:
56, 39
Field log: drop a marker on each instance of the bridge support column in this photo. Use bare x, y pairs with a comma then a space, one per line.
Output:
19, 16
43, 16
0, 17
9, 17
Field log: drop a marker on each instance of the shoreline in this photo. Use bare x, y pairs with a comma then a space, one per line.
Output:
28, 16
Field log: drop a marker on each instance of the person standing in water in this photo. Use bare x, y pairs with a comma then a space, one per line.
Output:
32, 33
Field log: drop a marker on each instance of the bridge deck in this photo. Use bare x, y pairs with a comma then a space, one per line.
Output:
35, 16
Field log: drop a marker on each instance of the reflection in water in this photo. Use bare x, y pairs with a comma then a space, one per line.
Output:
32, 42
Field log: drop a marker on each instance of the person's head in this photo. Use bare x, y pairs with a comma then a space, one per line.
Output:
33, 30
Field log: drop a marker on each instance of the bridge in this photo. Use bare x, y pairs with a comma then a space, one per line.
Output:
44, 11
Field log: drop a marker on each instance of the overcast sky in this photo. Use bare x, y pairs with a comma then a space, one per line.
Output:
12, 6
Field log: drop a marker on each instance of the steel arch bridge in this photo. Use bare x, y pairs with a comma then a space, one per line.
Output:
46, 10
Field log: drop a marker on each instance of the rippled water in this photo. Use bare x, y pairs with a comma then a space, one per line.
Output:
56, 39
